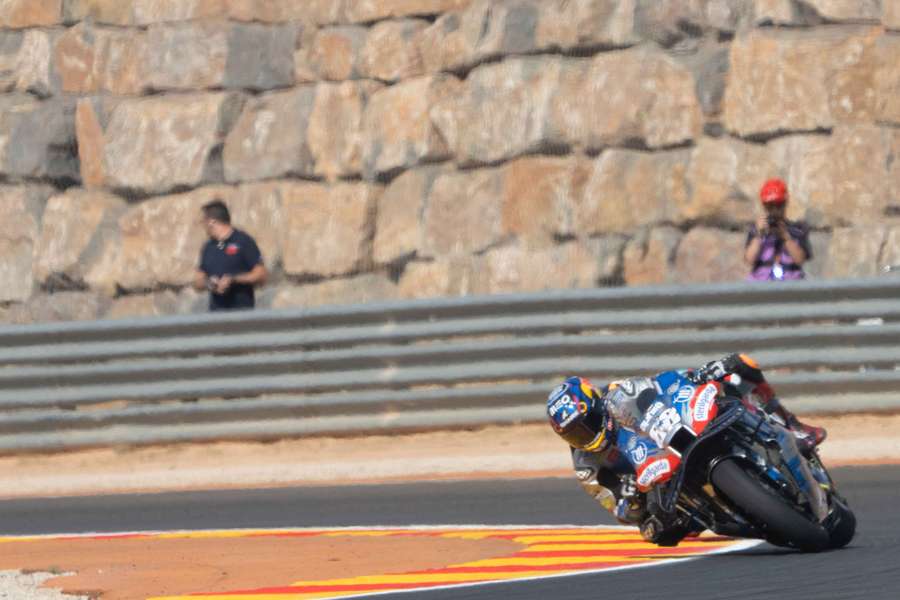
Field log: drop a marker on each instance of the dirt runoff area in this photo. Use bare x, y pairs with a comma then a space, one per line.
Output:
126, 569
488, 452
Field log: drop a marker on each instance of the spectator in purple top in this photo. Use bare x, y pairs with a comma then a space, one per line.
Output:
776, 248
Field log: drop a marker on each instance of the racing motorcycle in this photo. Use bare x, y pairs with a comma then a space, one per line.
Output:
708, 458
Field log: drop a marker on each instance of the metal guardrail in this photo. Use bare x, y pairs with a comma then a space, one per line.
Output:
430, 363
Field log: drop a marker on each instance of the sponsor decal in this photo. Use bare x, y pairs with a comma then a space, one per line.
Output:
231, 249
685, 393
653, 471
557, 392
584, 474
568, 417
559, 404
638, 454
627, 386
671, 389
651, 414
705, 401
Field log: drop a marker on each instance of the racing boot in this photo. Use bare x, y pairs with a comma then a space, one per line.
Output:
808, 436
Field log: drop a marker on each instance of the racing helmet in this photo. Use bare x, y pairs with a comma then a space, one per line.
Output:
578, 415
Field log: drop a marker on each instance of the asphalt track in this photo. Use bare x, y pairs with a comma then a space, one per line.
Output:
869, 568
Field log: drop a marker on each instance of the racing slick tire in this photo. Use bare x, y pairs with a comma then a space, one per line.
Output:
782, 523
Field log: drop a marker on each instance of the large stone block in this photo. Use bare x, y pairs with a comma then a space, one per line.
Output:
328, 228
257, 208
486, 29
800, 81
463, 213
669, 22
724, 178
161, 240
629, 189
364, 11
854, 252
887, 79
588, 24
158, 144
365, 288
211, 54
37, 138
891, 15
91, 118
18, 14
639, 97
183, 56
10, 45
260, 57
847, 10
61, 306
151, 12
392, 50
650, 255
91, 59
451, 276
777, 12
840, 180
501, 111
707, 255
269, 139
267, 11
539, 198
335, 133
399, 131
78, 234
398, 224
25, 62
143, 305
575, 264
142, 12
814, 268
108, 12
335, 53
304, 69
21, 210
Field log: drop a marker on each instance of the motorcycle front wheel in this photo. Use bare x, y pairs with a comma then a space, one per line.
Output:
766, 509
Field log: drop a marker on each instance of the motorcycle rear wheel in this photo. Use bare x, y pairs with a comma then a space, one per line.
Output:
783, 525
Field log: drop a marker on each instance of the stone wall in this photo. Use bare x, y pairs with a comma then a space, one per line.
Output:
383, 149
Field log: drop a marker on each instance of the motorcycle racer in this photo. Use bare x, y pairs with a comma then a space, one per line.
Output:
589, 419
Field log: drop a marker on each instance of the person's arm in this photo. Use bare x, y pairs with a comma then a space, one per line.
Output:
791, 245
255, 276
618, 496
199, 280
754, 243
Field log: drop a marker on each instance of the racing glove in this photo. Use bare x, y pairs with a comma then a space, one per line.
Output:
630, 508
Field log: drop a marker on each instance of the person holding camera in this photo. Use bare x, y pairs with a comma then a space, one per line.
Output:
776, 248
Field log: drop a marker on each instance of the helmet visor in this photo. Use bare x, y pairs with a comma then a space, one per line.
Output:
580, 435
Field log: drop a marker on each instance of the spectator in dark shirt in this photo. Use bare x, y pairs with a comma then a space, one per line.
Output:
230, 262
776, 248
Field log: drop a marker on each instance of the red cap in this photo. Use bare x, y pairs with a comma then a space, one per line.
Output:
773, 191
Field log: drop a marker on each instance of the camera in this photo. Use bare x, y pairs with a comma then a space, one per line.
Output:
773, 220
